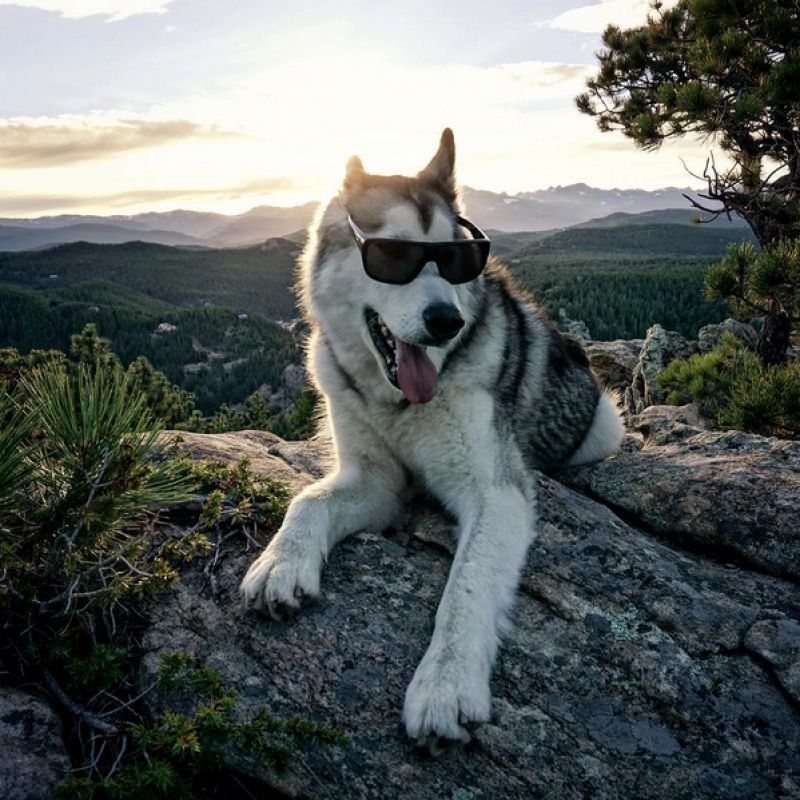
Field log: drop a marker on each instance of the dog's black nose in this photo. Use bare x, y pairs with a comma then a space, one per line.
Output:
443, 321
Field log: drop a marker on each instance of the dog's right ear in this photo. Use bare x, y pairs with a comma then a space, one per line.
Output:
354, 175
440, 172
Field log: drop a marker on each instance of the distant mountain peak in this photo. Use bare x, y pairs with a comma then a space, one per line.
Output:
540, 210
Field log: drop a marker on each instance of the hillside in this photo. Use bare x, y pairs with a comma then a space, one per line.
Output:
620, 279
14, 239
583, 246
220, 355
617, 278
171, 227
128, 290
254, 280
669, 216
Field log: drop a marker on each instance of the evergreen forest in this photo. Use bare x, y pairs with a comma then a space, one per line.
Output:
208, 319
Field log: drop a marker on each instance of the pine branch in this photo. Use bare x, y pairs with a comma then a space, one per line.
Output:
77, 711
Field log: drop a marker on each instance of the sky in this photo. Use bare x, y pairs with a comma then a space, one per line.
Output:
126, 106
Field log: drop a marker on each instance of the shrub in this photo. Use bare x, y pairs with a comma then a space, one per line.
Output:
84, 474
168, 754
735, 390
82, 530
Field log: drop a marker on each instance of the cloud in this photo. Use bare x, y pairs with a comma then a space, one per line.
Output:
595, 17
144, 199
115, 10
58, 141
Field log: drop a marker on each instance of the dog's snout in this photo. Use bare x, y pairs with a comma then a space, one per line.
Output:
443, 321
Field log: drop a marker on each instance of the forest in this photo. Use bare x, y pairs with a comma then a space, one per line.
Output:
250, 279
208, 319
620, 280
209, 351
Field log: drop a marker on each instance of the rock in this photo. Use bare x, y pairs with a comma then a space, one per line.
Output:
293, 380
659, 349
710, 337
613, 362
733, 493
34, 757
579, 329
573, 327
662, 424
295, 463
778, 641
634, 668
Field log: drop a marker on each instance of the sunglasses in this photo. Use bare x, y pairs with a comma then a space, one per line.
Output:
399, 261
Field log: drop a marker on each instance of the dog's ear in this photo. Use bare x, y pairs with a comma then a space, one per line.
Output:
441, 171
354, 175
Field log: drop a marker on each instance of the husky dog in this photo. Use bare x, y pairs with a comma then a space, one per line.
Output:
434, 370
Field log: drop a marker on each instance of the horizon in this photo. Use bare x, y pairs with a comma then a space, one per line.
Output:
181, 210
125, 107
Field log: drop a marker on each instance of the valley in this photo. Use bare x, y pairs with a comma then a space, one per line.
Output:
215, 320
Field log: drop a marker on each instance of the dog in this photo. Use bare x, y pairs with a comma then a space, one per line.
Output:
435, 370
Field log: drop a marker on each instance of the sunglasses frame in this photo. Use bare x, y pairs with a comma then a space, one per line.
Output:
364, 242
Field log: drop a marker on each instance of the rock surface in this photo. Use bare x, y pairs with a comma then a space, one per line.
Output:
613, 362
34, 757
635, 669
660, 347
578, 329
733, 493
710, 336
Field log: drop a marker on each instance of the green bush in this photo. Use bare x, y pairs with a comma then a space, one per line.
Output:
84, 475
235, 495
15, 431
170, 752
735, 390
79, 528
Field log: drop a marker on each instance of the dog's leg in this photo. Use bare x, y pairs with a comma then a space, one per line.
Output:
450, 688
364, 492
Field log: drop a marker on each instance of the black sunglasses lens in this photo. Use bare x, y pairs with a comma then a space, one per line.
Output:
462, 262
392, 262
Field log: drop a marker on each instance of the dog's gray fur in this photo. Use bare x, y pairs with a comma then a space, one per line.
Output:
513, 396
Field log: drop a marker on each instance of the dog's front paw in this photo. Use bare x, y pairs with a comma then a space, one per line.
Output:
285, 574
446, 699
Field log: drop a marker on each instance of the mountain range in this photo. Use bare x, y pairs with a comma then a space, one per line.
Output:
544, 210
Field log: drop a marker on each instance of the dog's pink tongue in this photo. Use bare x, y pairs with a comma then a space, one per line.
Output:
416, 375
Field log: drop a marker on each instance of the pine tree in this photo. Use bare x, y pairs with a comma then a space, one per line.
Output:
729, 71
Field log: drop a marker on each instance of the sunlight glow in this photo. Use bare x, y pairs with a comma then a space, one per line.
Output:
278, 127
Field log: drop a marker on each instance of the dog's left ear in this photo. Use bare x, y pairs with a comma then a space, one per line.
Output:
354, 175
441, 171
